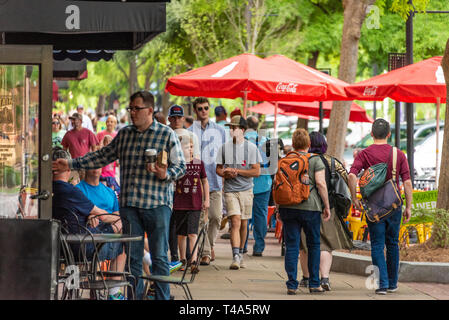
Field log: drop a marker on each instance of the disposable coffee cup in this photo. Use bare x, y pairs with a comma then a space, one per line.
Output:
150, 157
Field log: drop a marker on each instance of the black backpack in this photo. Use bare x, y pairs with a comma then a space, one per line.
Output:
338, 191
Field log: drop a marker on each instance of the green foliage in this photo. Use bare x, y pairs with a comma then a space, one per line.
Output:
440, 233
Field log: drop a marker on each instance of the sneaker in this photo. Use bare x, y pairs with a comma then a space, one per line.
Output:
117, 296
391, 290
292, 292
304, 283
242, 263
175, 265
235, 265
257, 254
325, 284
317, 290
381, 291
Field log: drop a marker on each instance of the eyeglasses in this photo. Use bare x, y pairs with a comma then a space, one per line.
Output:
201, 108
55, 122
131, 108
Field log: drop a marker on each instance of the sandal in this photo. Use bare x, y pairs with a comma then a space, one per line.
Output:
194, 268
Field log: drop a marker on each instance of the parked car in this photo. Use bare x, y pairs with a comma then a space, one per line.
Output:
425, 156
421, 132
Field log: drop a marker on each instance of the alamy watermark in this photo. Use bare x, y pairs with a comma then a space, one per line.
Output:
372, 17
372, 281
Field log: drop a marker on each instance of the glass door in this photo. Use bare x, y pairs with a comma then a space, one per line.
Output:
19, 140
25, 132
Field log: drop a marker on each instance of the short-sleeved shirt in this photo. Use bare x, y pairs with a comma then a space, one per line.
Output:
210, 139
101, 196
104, 133
238, 156
79, 142
188, 192
378, 153
263, 182
67, 198
56, 138
314, 202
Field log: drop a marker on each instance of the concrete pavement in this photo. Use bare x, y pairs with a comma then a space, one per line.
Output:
264, 279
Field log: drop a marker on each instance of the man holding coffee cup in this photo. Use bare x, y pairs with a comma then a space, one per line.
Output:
146, 196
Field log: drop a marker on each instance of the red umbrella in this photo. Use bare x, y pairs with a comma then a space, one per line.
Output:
249, 77
421, 82
305, 110
335, 88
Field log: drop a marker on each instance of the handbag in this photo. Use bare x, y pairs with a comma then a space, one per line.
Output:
382, 202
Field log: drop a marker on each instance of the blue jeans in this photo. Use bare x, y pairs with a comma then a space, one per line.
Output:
386, 233
155, 222
293, 221
258, 221
260, 214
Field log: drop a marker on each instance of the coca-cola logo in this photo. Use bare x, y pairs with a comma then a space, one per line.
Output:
370, 91
287, 87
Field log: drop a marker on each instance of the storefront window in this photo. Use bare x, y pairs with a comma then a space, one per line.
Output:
19, 140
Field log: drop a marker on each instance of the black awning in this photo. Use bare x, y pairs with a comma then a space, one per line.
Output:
69, 70
67, 25
78, 55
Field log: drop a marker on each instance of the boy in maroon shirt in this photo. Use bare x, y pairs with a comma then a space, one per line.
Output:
188, 201
385, 232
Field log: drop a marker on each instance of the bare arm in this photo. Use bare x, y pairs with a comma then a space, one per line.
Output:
253, 172
112, 218
320, 181
408, 190
206, 199
352, 182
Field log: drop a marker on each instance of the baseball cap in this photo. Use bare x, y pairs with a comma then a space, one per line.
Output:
80, 106
220, 110
76, 115
176, 111
237, 121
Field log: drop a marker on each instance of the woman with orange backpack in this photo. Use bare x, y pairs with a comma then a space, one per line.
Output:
300, 191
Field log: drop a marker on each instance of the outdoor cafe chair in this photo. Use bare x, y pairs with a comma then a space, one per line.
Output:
184, 280
91, 276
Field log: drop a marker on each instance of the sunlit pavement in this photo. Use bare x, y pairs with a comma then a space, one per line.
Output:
264, 279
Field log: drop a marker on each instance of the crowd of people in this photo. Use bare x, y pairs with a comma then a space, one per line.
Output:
216, 171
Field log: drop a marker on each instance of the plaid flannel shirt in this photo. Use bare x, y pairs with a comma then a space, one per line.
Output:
140, 188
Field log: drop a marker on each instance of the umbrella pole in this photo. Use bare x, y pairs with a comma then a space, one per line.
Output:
245, 102
321, 117
437, 146
275, 118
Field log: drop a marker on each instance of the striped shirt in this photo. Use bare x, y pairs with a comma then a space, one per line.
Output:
140, 188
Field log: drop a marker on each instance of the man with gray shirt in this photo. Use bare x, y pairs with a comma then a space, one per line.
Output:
238, 161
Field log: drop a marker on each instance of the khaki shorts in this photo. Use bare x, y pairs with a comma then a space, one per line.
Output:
239, 203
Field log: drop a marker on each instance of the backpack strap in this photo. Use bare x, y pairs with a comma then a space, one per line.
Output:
395, 159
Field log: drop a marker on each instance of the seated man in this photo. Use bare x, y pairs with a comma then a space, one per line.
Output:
72, 207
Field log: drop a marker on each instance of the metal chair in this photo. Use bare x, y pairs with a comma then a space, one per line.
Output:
91, 277
184, 280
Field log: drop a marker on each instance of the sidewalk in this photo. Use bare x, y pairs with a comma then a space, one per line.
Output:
264, 279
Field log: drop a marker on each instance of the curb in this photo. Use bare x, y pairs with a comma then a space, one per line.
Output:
355, 264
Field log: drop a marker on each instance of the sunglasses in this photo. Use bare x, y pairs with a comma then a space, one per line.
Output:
131, 108
55, 122
201, 108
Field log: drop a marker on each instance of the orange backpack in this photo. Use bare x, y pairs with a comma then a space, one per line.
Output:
291, 183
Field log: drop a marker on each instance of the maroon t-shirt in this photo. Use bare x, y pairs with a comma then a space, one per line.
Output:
378, 153
188, 193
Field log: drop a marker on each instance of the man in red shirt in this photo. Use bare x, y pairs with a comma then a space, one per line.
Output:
386, 232
79, 140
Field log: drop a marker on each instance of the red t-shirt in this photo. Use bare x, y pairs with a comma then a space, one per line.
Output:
188, 193
378, 153
79, 142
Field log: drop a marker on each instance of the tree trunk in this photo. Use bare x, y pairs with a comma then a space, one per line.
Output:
443, 182
133, 85
354, 16
101, 104
165, 103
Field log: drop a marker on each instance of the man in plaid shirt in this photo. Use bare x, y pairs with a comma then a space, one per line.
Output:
146, 196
